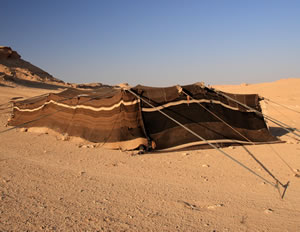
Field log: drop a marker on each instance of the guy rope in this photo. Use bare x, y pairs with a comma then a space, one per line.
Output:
267, 99
277, 122
180, 89
216, 148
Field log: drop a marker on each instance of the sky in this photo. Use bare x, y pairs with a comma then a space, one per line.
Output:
157, 42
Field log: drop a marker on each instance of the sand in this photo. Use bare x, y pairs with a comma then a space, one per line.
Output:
50, 184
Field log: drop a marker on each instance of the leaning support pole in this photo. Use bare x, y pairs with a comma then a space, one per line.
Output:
277, 122
212, 145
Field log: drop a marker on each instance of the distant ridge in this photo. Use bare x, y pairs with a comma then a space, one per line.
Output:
15, 71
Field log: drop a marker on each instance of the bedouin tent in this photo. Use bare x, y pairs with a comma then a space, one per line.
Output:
126, 118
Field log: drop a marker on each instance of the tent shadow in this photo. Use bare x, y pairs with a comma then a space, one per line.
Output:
278, 131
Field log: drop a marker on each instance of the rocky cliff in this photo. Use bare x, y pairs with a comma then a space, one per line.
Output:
16, 71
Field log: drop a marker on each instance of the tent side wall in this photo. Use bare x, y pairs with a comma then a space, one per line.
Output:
247, 126
115, 119
109, 117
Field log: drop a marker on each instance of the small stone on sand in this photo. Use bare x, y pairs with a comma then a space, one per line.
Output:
268, 211
215, 206
23, 129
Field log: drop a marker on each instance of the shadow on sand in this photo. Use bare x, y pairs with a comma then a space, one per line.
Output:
31, 84
278, 131
3, 85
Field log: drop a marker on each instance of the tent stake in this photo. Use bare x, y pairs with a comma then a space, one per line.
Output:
199, 137
297, 175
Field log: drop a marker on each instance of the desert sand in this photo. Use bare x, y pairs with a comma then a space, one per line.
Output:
48, 183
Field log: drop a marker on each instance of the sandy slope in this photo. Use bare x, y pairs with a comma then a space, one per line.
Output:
47, 184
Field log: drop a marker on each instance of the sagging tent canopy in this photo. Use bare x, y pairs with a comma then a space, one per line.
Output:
118, 119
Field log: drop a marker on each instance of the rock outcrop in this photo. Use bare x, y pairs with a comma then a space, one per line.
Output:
16, 71
8, 53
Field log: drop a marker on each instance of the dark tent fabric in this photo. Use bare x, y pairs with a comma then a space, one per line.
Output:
117, 119
107, 115
167, 133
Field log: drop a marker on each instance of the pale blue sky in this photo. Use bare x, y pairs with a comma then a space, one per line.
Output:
156, 43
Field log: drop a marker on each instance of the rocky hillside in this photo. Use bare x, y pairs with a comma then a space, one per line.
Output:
16, 71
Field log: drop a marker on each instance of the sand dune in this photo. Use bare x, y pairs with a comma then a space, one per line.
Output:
50, 184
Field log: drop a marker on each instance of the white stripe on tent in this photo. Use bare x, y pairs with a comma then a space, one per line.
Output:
103, 108
188, 102
130, 103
